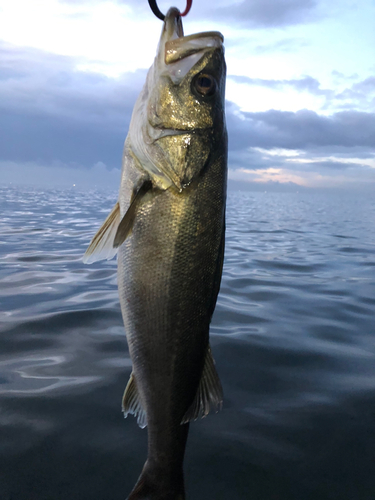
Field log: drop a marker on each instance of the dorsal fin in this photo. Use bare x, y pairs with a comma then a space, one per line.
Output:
209, 394
101, 246
131, 403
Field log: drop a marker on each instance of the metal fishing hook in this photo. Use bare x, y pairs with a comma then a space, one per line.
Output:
188, 7
155, 10
159, 15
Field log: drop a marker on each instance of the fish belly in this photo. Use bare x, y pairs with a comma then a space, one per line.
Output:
169, 272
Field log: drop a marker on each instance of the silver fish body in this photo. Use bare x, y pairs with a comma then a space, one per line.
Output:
169, 225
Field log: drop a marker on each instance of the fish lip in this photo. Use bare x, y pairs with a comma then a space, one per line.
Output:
174, 46
173, 29
201, 34
156, 133
182, 47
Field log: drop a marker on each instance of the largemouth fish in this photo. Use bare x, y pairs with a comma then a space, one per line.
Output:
168, 228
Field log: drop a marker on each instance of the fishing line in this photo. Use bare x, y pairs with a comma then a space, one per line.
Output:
155, 9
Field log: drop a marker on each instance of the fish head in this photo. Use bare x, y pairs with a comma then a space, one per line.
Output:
182, 118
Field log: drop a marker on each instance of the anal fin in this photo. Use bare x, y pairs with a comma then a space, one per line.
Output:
101, 246
209, 394
131, 403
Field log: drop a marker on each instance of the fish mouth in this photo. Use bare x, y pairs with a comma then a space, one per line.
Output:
185, 46
173, 153
175, 47
158, 132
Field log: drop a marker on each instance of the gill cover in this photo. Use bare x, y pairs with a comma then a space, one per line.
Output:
172, 127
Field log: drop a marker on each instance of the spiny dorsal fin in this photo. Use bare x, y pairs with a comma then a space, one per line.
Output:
131, 403
209, 394
127, 222
101, 246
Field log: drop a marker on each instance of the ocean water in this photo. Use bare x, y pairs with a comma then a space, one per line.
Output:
293, 336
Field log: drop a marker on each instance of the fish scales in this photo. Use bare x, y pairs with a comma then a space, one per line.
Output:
168, 227
166, 278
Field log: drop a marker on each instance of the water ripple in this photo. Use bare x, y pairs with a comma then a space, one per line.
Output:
292, 334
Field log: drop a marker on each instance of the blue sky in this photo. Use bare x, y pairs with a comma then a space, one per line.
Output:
300, 88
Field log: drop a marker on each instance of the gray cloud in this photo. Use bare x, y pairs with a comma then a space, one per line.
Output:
342, 152
252, 13
326, 165
50, 111
253, 159
306, 83
359, 95
34, 81
270, 186
282, 45
355, 177
341, 76
367, 85
330, 148
142, 8
268, 13
303, 129
56, 118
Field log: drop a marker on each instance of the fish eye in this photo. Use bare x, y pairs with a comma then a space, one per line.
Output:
204, 84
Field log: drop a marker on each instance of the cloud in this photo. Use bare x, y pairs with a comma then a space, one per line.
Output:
268, 186
282, 45
253, 13
268, 13
35, 81
367, 85
265, 167
303, 148
61, 124
357, 96
303, 129
306, 83
360, 95
52, 111
341, 76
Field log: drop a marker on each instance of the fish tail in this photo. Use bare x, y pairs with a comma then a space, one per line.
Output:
155, 483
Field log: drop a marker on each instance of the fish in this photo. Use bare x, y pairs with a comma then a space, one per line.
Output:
168, 231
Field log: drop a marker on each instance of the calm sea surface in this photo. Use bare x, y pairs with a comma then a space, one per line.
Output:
293, 336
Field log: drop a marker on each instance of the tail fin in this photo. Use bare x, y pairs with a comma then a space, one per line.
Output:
155, 484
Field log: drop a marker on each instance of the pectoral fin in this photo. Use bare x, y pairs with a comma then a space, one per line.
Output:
101, 246
209, 394
132, 404
127, 222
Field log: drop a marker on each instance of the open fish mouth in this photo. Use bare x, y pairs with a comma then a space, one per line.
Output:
185, 46
179, 53
171, 124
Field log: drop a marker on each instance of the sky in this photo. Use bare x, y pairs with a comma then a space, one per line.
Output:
300, 95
